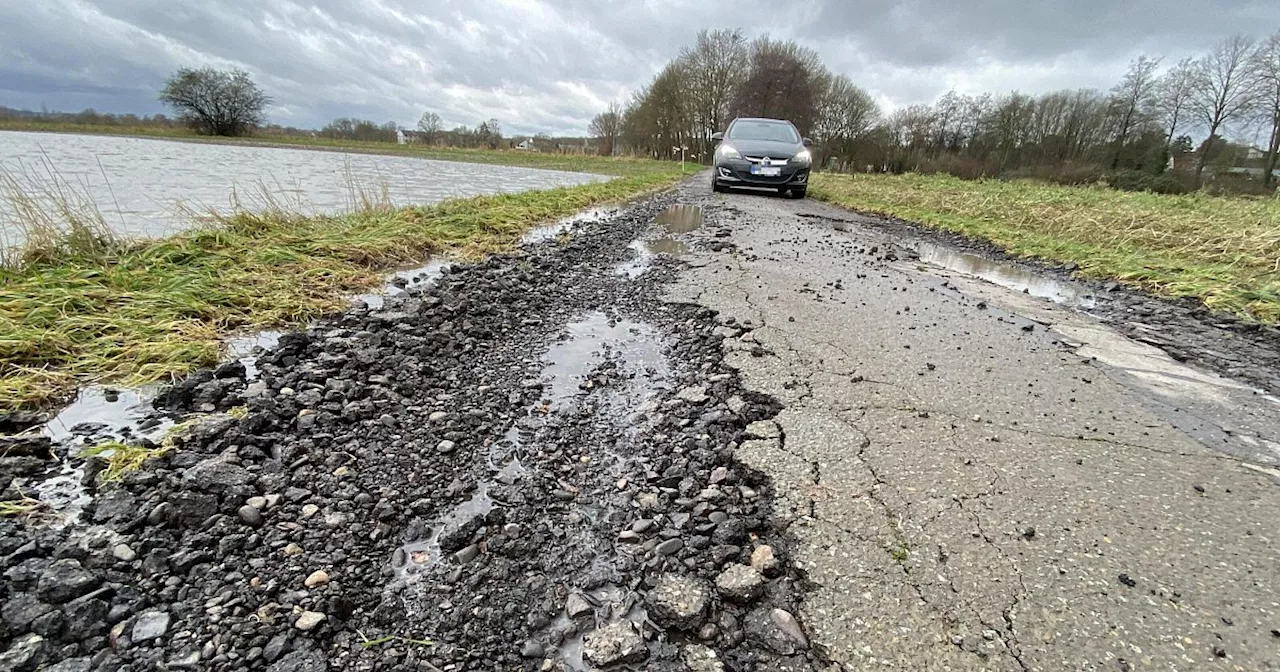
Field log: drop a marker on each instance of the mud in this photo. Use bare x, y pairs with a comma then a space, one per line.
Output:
438, 480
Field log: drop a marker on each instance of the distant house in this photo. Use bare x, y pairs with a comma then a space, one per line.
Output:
405, 136
527, 145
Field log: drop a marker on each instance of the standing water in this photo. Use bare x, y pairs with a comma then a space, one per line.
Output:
141, 186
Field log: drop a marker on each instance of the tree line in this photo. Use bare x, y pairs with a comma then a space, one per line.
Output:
1148, 117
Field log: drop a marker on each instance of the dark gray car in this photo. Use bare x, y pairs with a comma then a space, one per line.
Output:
767, 153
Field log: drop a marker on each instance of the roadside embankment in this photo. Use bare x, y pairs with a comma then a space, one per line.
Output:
146, 311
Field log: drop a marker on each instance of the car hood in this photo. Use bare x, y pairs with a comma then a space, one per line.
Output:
769, 148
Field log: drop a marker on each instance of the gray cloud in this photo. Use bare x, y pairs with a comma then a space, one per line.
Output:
542, 65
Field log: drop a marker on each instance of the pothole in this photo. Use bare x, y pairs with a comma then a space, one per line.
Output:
635, 347
1007, 275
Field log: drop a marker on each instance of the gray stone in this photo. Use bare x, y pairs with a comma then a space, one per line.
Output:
614, 644
218, 476
278, 646
19, 610
446, 446
577, 605
777, 630
699, 658
693, 394
531, 648
71, 665
123, 553
763, 429
64, 580
740, 583
763, 560
250, 515
467, 554
25, 654
150, 625
679, 602
668, 547
308, 620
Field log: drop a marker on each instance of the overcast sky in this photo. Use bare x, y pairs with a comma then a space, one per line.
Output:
550, 65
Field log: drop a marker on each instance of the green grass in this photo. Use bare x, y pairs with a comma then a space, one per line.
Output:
603, 165
123, 458
21, 508
151, 311
1224, 252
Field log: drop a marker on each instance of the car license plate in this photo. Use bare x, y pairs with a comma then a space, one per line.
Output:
766, 171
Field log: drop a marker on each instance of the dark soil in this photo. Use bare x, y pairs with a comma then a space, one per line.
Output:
445, 482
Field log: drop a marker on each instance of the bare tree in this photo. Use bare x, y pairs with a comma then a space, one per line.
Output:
606, 127
430, 126
1266, 69
1222, 89
216, 102
716, 66
489, 134
784, 81
1132, 100
847, 113
1173, 92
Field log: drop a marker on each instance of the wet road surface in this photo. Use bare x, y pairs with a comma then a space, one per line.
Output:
985, 478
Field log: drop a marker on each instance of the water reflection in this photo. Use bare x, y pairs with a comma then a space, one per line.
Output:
1007, 275
139, 183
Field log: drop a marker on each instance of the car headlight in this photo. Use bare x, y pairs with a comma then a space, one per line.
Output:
727, 152
804, 158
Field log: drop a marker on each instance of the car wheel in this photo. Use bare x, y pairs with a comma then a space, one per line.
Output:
716, 186
799, 193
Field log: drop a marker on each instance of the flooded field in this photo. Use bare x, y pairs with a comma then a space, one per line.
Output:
142, 186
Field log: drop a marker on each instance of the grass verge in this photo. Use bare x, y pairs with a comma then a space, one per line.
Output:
153, 310
1224, 252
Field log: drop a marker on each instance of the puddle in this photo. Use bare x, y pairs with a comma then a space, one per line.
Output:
400, 282
415, 556
610, 604
638, 264
544, 233
680, 219
1007, 275
635, 346
117, 413
247, 349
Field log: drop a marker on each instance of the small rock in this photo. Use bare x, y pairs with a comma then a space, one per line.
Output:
341, 471
740, 583
150, 625
437, 416
467, 554
679, 602
258, 502
669, 546
577, 605
309, 510
445, 447
531, 648
317, 578
25, 654
763, 429
123, 553
763, 560
308, 620
292, 549
1127, 580
693, 394
64, 580
699, 658
250, 516
614, 644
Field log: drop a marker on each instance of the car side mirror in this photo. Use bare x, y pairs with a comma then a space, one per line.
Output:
717, 137
807, 142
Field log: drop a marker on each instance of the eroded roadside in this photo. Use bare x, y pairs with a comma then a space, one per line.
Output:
980, 478
527, 463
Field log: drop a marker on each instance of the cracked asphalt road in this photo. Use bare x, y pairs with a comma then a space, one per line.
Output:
982, 480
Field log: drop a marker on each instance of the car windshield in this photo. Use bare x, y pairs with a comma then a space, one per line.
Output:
763, 130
